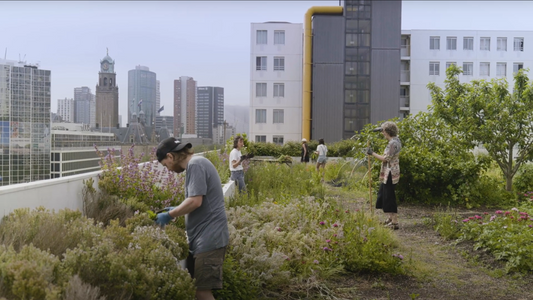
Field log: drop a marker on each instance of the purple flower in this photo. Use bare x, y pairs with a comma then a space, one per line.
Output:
328, 241
498, 212
315, 261
466, 220
335, 225
322, 222
278, 229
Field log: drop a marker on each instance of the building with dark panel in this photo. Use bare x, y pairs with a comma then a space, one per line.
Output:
209, 110
353, 77
142, 96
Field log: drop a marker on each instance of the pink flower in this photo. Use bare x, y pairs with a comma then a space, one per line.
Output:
485, 213
478, 217
322, 222
278, 229
466, 220
335, 225
499, 212
328, 241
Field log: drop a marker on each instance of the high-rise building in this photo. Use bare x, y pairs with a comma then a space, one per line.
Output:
157, 97
65, 108
24, 123
107, 95
209, 109
142, 93
276, 82
83, 106
184, 106
481, 54
351, 68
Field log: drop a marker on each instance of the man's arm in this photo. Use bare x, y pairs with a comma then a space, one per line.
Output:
236, 163
187, 206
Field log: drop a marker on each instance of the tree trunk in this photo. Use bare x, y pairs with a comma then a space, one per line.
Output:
509, 183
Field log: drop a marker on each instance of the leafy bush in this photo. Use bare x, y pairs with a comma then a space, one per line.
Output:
238, 284
523, 180
436, 163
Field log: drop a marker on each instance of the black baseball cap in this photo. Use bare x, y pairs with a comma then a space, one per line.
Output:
170, 145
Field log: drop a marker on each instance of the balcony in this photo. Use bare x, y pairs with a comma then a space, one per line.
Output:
404, 103
405, 77
405, 51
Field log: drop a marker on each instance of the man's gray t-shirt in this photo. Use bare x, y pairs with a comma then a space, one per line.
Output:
207, 226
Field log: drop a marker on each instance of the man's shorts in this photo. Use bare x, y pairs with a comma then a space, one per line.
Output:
206, 268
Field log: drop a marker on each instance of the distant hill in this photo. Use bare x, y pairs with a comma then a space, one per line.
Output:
238, 116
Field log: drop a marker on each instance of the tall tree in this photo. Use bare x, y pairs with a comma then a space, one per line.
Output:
486, 113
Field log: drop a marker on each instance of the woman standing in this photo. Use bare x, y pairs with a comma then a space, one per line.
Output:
389, 174
305, 152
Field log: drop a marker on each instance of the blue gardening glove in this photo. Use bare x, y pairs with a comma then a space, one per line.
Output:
369, 151
163, 219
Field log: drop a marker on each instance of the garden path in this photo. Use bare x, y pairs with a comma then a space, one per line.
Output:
436, 268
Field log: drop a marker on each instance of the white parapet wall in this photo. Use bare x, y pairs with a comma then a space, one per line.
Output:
59, 193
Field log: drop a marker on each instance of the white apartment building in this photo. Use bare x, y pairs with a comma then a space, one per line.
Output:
482, 54
276, 82
65, 108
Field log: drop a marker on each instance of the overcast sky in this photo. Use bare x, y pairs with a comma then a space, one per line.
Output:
207, 40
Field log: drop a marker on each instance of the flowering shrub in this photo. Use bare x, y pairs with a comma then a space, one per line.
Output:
221, 162
287, 243
127, 179
507, 235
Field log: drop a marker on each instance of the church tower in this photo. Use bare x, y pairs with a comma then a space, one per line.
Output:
107, 95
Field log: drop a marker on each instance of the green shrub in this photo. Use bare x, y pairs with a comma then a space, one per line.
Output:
221, 163
446, 224
523, 180
238, 284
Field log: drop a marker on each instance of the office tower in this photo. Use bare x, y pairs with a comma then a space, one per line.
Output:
157, 97
276, 82
142, 96
83, 105
210, 109
65, 108
184, 106
107, 95
24, 122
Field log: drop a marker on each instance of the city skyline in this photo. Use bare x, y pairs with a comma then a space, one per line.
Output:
208, 41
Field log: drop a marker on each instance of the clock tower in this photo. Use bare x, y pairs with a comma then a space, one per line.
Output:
107, 95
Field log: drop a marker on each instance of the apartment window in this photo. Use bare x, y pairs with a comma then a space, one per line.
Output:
279, 63
518, 44
279, 90
517, 67
501, 69
278, 116
468, 43
501, 44
434, 42
468, 68
260, 138
434, 68
261, 89
261, 63
484, 43
279, 37
261, 37
484, 69
449, 63
277, 139
451, 43
260, 116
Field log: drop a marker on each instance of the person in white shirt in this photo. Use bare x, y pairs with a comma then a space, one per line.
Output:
322, 152
235, 163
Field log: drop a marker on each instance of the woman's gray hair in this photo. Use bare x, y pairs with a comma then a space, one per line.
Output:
390, 128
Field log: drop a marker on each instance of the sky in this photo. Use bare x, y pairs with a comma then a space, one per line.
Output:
206, 40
